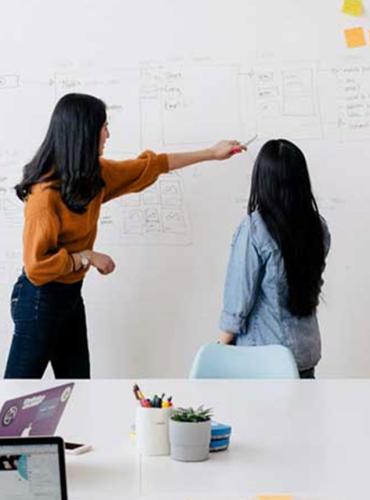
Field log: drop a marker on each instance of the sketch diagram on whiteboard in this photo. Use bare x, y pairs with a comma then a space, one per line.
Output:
346, 106
9, 81
298, 92
34, 96
173, 91
189, 104
156, 216
10, 211
284, 100
11, 220
11, 208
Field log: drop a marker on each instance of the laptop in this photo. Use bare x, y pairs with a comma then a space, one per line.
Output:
32, 468
35, 414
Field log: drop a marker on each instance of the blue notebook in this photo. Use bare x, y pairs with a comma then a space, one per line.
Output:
220, 436
220, 431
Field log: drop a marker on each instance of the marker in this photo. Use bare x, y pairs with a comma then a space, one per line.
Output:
252, 139
146, 403
138, 394
238, 149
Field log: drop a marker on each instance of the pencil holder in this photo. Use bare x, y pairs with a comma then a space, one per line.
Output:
152, 435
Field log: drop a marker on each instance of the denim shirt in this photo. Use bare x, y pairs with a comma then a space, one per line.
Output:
256, 293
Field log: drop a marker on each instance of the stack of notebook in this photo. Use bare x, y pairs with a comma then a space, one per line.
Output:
220, 436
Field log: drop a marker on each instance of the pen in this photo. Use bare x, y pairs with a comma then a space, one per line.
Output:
252, 139
138, 394
238, 149
160, 400
135, 390
155, 402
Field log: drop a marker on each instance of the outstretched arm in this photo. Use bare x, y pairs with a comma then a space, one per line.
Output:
220, 151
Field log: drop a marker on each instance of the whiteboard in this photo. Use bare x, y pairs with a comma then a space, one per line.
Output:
178, 76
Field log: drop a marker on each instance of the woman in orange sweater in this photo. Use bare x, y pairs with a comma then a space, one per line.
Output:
63, 188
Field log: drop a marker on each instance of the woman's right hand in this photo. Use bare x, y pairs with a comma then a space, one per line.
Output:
103, 263
226, 149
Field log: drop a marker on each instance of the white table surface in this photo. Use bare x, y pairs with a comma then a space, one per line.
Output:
307, 438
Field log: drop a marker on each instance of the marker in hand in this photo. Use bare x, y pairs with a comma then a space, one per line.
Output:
242, 146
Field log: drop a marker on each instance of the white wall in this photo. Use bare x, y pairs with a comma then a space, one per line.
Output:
176, 76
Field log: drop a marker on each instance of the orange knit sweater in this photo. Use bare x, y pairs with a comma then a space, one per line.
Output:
52, 232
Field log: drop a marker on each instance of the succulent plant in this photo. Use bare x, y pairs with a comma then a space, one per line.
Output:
191, 414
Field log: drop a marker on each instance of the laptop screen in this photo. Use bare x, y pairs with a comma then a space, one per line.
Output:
31, 472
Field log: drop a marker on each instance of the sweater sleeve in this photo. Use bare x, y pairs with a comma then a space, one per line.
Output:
131, 176
44, 261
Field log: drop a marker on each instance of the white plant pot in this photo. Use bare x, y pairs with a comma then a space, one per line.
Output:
189, 441
152, 436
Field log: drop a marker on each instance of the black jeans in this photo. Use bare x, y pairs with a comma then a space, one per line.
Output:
50, 326
310, 373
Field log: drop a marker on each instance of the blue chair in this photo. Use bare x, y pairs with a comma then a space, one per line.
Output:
227, 361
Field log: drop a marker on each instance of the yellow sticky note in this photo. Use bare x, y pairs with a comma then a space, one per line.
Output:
355, 37
353, 7
275, 497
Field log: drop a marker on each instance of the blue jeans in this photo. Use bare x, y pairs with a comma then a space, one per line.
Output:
50, 326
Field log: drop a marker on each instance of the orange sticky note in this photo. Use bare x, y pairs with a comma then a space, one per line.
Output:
355, 37
275, 497
353, 7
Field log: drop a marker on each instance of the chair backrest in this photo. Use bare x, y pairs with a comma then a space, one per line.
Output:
226, 361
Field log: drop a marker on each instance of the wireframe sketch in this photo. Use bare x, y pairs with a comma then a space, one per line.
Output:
283, 100
346, 107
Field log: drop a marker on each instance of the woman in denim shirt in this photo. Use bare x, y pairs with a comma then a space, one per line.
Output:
274, 277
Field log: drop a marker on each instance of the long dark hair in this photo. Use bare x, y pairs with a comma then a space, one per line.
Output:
281, 192
69, 154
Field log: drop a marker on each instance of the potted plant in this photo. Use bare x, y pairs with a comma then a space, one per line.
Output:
190, 434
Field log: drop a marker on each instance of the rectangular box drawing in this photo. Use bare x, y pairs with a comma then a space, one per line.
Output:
9, 81
286, 100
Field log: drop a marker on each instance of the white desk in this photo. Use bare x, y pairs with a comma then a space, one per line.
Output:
308, 438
